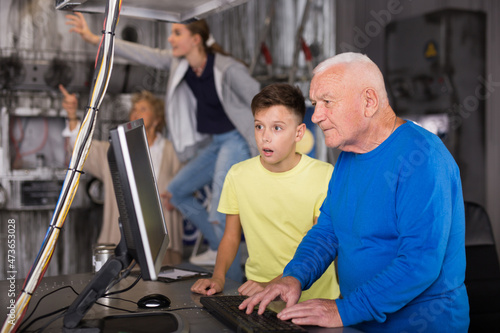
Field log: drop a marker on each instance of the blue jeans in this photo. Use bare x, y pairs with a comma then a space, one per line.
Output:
209, 167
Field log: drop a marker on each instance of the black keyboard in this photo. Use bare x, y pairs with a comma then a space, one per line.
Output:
225, 309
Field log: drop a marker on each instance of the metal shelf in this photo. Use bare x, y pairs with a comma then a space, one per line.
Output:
161, 10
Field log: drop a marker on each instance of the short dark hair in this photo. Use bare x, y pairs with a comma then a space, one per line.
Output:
280, 94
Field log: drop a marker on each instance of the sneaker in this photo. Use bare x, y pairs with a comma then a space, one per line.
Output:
206, 258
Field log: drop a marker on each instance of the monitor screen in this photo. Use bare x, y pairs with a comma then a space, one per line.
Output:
139, 203
144, 232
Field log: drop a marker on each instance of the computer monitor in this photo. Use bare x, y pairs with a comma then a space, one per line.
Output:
144, 233
139, 202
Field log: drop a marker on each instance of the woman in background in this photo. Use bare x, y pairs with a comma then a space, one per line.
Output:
208, 117
165, 162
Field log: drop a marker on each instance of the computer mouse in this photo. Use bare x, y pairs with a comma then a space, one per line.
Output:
153, 301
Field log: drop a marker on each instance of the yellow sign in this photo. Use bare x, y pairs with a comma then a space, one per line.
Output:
430, 50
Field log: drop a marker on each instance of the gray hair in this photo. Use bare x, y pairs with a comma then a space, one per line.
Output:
343, 58
366, 70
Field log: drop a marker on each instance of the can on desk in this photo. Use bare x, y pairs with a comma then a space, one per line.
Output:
100, 254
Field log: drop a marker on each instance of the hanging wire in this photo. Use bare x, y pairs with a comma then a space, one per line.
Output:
102, 73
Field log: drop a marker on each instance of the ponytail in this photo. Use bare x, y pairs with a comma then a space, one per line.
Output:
201, 28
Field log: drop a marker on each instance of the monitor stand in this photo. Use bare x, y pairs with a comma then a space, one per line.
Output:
150, 322
164, 322
97, 286
140, 322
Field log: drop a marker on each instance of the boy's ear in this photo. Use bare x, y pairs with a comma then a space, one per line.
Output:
299, 133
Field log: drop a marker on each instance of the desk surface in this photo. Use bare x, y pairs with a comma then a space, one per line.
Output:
188, 303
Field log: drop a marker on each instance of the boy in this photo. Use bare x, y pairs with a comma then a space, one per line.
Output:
274, 197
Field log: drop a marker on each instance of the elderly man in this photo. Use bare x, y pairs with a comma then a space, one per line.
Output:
394, 217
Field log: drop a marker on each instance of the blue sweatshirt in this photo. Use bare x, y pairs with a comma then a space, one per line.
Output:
395, 219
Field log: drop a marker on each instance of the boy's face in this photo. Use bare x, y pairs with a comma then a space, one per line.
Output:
277, 130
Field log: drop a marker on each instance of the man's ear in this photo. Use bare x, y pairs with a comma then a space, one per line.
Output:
299, 133
370, 102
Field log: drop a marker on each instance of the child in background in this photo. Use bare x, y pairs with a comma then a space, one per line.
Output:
274, 198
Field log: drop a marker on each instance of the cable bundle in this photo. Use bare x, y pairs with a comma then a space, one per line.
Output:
102, 73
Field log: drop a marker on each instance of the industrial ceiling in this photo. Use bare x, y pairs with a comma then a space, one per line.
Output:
161, 10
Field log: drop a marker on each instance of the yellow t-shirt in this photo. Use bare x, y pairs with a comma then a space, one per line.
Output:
276, 210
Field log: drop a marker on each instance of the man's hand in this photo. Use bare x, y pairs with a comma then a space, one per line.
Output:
77, 20
70, 104
287, 288
319, 312
251, 287
208, 286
